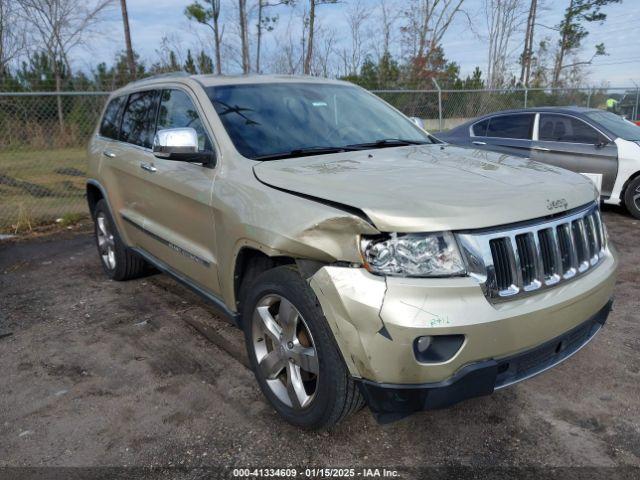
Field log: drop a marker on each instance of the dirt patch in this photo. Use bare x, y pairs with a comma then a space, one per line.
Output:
32, 189
70, 171
105, 373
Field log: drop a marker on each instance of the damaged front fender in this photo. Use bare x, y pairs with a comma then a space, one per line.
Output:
351, 299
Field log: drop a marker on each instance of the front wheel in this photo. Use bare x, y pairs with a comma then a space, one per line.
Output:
293, 354
632, 197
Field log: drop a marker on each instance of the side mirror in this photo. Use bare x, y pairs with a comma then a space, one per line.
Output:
181, 145
418, 122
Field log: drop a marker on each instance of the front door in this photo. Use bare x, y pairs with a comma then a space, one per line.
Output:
569, 142
179, 220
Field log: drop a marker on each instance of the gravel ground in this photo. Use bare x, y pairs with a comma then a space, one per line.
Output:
100, 373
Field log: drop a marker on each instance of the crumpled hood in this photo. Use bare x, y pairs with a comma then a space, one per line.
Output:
432, 187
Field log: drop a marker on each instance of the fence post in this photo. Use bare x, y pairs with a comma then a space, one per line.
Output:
526, 96
637, 114
439, 103
589, 98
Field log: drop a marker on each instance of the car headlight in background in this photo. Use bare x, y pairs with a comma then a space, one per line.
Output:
413, 255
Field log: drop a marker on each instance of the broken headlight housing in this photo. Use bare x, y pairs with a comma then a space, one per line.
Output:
413, 255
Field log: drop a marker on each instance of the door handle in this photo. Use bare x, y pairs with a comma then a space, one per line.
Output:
148, 167
109, 153
541, 149
478, 142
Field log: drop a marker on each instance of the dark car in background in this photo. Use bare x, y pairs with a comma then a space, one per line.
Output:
598, 144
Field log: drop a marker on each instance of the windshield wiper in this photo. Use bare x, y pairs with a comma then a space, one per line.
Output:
305, 152
389, 142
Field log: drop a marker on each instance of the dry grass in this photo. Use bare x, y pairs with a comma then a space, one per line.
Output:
39, 186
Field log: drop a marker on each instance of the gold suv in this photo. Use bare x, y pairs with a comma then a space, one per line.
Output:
365, 260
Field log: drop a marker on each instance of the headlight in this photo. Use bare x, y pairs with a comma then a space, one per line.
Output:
413, 255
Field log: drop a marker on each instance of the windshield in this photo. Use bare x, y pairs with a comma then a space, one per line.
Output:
269, 119
617, 125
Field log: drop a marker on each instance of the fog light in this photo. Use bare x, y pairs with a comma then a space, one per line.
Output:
423, 343
437, 348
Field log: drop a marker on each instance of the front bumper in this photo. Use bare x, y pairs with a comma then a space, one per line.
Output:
375, 320
390, 402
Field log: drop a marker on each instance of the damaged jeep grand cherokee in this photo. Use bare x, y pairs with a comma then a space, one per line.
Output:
366, 262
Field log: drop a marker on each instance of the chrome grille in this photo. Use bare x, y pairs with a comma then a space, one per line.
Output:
513, 261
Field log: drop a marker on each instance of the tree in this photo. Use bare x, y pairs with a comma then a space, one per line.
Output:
527, 52
60, 26
541, 61
202, 15
308, 58
205, 63
389, 15
190, 64
426, 23
266, 23
503, 18
353, 56
13, 40
244, 36
127, 39
573, 32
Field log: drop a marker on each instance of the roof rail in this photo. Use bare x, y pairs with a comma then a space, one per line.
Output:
179, 74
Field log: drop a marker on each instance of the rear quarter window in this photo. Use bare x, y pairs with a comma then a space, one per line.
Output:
110, 123
480, 128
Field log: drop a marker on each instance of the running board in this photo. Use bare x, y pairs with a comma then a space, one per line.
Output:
217, 303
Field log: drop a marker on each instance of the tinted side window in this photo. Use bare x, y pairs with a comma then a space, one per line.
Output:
138, 120
560, 128
178, 111
511, 126
480, 128
111, 119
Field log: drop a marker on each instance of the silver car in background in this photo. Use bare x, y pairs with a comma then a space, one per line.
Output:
598, 144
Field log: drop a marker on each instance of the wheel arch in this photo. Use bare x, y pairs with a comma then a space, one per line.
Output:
251, 261
631, 178
96, 192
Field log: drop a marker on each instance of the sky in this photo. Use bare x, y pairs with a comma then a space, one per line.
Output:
151, 20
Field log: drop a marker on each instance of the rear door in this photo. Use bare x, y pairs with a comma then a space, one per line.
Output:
508, 133
121, 166
569, 142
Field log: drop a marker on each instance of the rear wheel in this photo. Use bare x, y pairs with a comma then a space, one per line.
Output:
293, 354
118, 261
632, 197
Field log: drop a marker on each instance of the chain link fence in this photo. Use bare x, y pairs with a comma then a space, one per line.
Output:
43, 138
446, 109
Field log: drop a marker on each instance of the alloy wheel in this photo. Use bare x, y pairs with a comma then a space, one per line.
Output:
106, 242
285, 351
636, 197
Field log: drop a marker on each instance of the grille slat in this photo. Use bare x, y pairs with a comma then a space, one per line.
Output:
600, 231
523, 259
504, 279
582, 244
526, 252
550, 252
594, 239
568, 254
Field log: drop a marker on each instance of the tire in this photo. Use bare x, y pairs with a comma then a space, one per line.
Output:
119, 262
632, 197
329, 395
